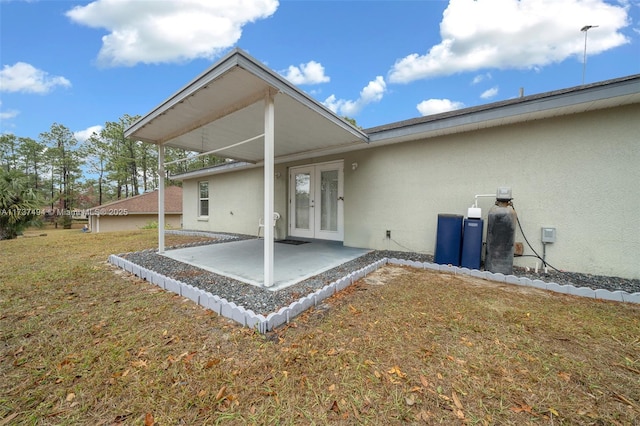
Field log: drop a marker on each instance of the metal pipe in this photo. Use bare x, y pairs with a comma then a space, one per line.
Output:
475, 204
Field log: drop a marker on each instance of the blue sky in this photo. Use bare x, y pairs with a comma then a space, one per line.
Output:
84, 63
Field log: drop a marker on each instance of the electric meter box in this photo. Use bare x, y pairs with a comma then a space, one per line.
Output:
548, 235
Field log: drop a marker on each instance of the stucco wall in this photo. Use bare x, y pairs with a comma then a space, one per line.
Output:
236, 202
131, 222
578, 173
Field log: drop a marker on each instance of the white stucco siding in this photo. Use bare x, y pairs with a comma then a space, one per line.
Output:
578, 173
236, 202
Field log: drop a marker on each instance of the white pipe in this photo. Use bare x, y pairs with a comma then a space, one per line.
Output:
213, 151
475, 204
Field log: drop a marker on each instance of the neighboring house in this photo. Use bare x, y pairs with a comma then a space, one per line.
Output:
571, 157
137, 212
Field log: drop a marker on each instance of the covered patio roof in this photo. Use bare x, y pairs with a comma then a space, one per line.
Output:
240, 109
224, 107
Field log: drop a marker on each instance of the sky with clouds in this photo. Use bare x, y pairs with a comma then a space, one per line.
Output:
83, 63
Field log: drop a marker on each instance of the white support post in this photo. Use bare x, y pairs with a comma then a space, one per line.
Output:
269, 139
160, 198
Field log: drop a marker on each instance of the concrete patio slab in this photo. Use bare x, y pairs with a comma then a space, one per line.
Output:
243, 260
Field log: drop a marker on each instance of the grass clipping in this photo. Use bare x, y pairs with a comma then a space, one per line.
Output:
83, 343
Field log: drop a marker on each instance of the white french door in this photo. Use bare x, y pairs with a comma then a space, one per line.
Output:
316, 207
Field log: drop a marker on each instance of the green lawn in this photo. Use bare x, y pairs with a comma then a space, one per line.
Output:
84, 343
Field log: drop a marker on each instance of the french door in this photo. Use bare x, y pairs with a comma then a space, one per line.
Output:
316, 207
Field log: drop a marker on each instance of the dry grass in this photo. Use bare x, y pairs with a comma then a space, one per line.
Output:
81, 343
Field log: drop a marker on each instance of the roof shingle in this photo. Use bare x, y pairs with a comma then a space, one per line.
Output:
148, 202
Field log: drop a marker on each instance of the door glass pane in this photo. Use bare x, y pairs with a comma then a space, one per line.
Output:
329, 197
303, 191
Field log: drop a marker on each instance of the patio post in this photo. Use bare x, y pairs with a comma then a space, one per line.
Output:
160, 198
269, 120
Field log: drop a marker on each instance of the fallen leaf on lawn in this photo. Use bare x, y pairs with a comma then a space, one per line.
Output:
377, 374
522, 408
141, 363
396, 370
70, 396
125, 373
334, 407
369, 362
212, 362
424, 381
410, 401
554, 412
187, 358
459, 414
148, 420
564, 376
220, 393
332, 388
332, 352
423, 415
456, 400
202, 393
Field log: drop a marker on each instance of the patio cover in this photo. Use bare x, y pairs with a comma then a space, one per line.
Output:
240, 109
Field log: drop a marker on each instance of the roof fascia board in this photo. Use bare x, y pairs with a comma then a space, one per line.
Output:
544, 106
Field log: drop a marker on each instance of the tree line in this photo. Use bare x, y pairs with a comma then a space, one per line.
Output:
60, 173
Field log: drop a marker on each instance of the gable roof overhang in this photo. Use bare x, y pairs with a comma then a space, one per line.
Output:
596, 96
222, 110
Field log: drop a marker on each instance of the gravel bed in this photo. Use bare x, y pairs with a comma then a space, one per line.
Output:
262, 301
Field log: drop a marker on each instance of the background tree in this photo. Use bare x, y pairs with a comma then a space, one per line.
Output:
122, 165
31, 154
65, 164
8, 152
19, 204
97, 151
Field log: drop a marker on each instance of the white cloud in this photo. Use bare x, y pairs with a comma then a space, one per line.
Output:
489, 93
168, 31
83, 135
436, 106
514, 34
481, 77
373, 92
8, 114
310, 73
23, 77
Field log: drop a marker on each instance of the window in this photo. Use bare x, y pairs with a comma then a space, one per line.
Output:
203, 199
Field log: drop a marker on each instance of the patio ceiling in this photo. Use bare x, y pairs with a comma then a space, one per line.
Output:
224, 107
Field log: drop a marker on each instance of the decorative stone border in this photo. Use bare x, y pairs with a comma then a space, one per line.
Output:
263, 324
617, 296
230, 310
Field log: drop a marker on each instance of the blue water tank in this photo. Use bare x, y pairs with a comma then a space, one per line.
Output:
472, 243
448, 239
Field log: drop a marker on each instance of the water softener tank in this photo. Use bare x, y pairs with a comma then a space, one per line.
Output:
448, 239
501, 234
